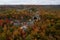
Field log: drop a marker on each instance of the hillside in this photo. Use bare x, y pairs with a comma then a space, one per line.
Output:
29, 22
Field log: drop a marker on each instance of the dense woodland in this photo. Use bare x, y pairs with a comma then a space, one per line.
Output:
29, 23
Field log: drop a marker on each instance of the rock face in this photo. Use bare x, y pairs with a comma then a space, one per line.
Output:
24, 27
36, 17
16, 22
30, 22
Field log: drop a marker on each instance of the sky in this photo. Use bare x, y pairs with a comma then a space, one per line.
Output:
31, 2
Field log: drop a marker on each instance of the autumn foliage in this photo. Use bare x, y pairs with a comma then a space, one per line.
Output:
13, 22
